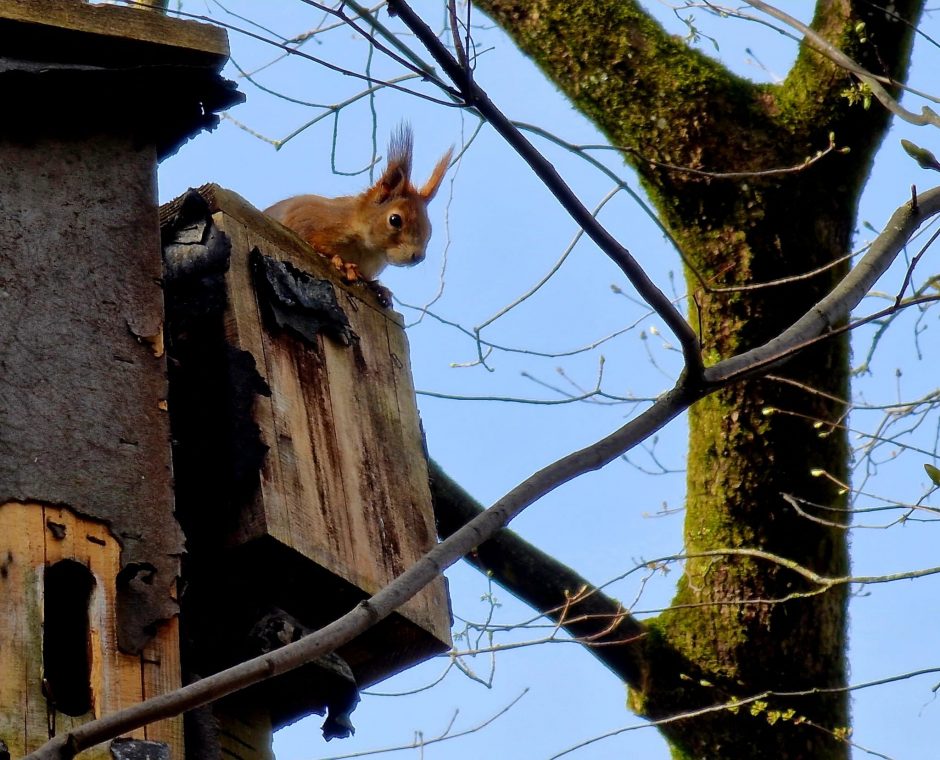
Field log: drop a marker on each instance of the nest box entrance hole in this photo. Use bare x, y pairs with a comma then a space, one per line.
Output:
66, 642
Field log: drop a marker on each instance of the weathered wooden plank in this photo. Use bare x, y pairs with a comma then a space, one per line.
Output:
438, 618
302, 440
243, 331
366, 442
354, 402
160, 663
98, 26
385, 459
21, 553
366, 514
244, 732
330, 530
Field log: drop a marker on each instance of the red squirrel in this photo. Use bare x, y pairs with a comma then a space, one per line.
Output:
385, 224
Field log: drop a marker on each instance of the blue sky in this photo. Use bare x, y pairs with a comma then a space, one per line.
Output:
497, 231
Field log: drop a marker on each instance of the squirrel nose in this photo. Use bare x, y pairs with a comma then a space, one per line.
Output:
417, 257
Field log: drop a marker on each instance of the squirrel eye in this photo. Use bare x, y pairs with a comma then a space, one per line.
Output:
395, 221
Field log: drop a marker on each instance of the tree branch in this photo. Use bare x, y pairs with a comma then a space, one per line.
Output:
834, 309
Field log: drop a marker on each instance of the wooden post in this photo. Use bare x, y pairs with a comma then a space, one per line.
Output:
89, 546
302, 480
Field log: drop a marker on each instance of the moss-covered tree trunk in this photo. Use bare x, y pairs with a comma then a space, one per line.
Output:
741, 626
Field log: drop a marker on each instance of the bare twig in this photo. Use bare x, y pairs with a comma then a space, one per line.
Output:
821, 581
918, 256
551, 272
404, 57
751, 174
581, 150
491, 346
326, 64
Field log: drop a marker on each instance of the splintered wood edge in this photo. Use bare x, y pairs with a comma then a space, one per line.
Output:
142, 25
233, 205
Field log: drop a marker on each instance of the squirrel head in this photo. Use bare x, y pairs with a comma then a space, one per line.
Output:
394, 210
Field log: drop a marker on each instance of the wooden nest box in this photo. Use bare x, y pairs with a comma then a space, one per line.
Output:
301, 475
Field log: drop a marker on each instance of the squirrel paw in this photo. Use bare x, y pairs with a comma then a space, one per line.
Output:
347, 269
350, 273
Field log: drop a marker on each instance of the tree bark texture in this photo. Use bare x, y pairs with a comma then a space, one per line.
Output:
740, 626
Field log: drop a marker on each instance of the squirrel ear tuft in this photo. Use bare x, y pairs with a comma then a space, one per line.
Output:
396, 179
437, 176
401, 149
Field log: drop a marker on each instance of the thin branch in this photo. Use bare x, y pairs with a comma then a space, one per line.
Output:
821, 581
459, 48
554, 268
913, 265
776, 283
372, 20
526, 351
754, 173
336, 107
411, 692
586, 396
581, 150
300, 39
404, 58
